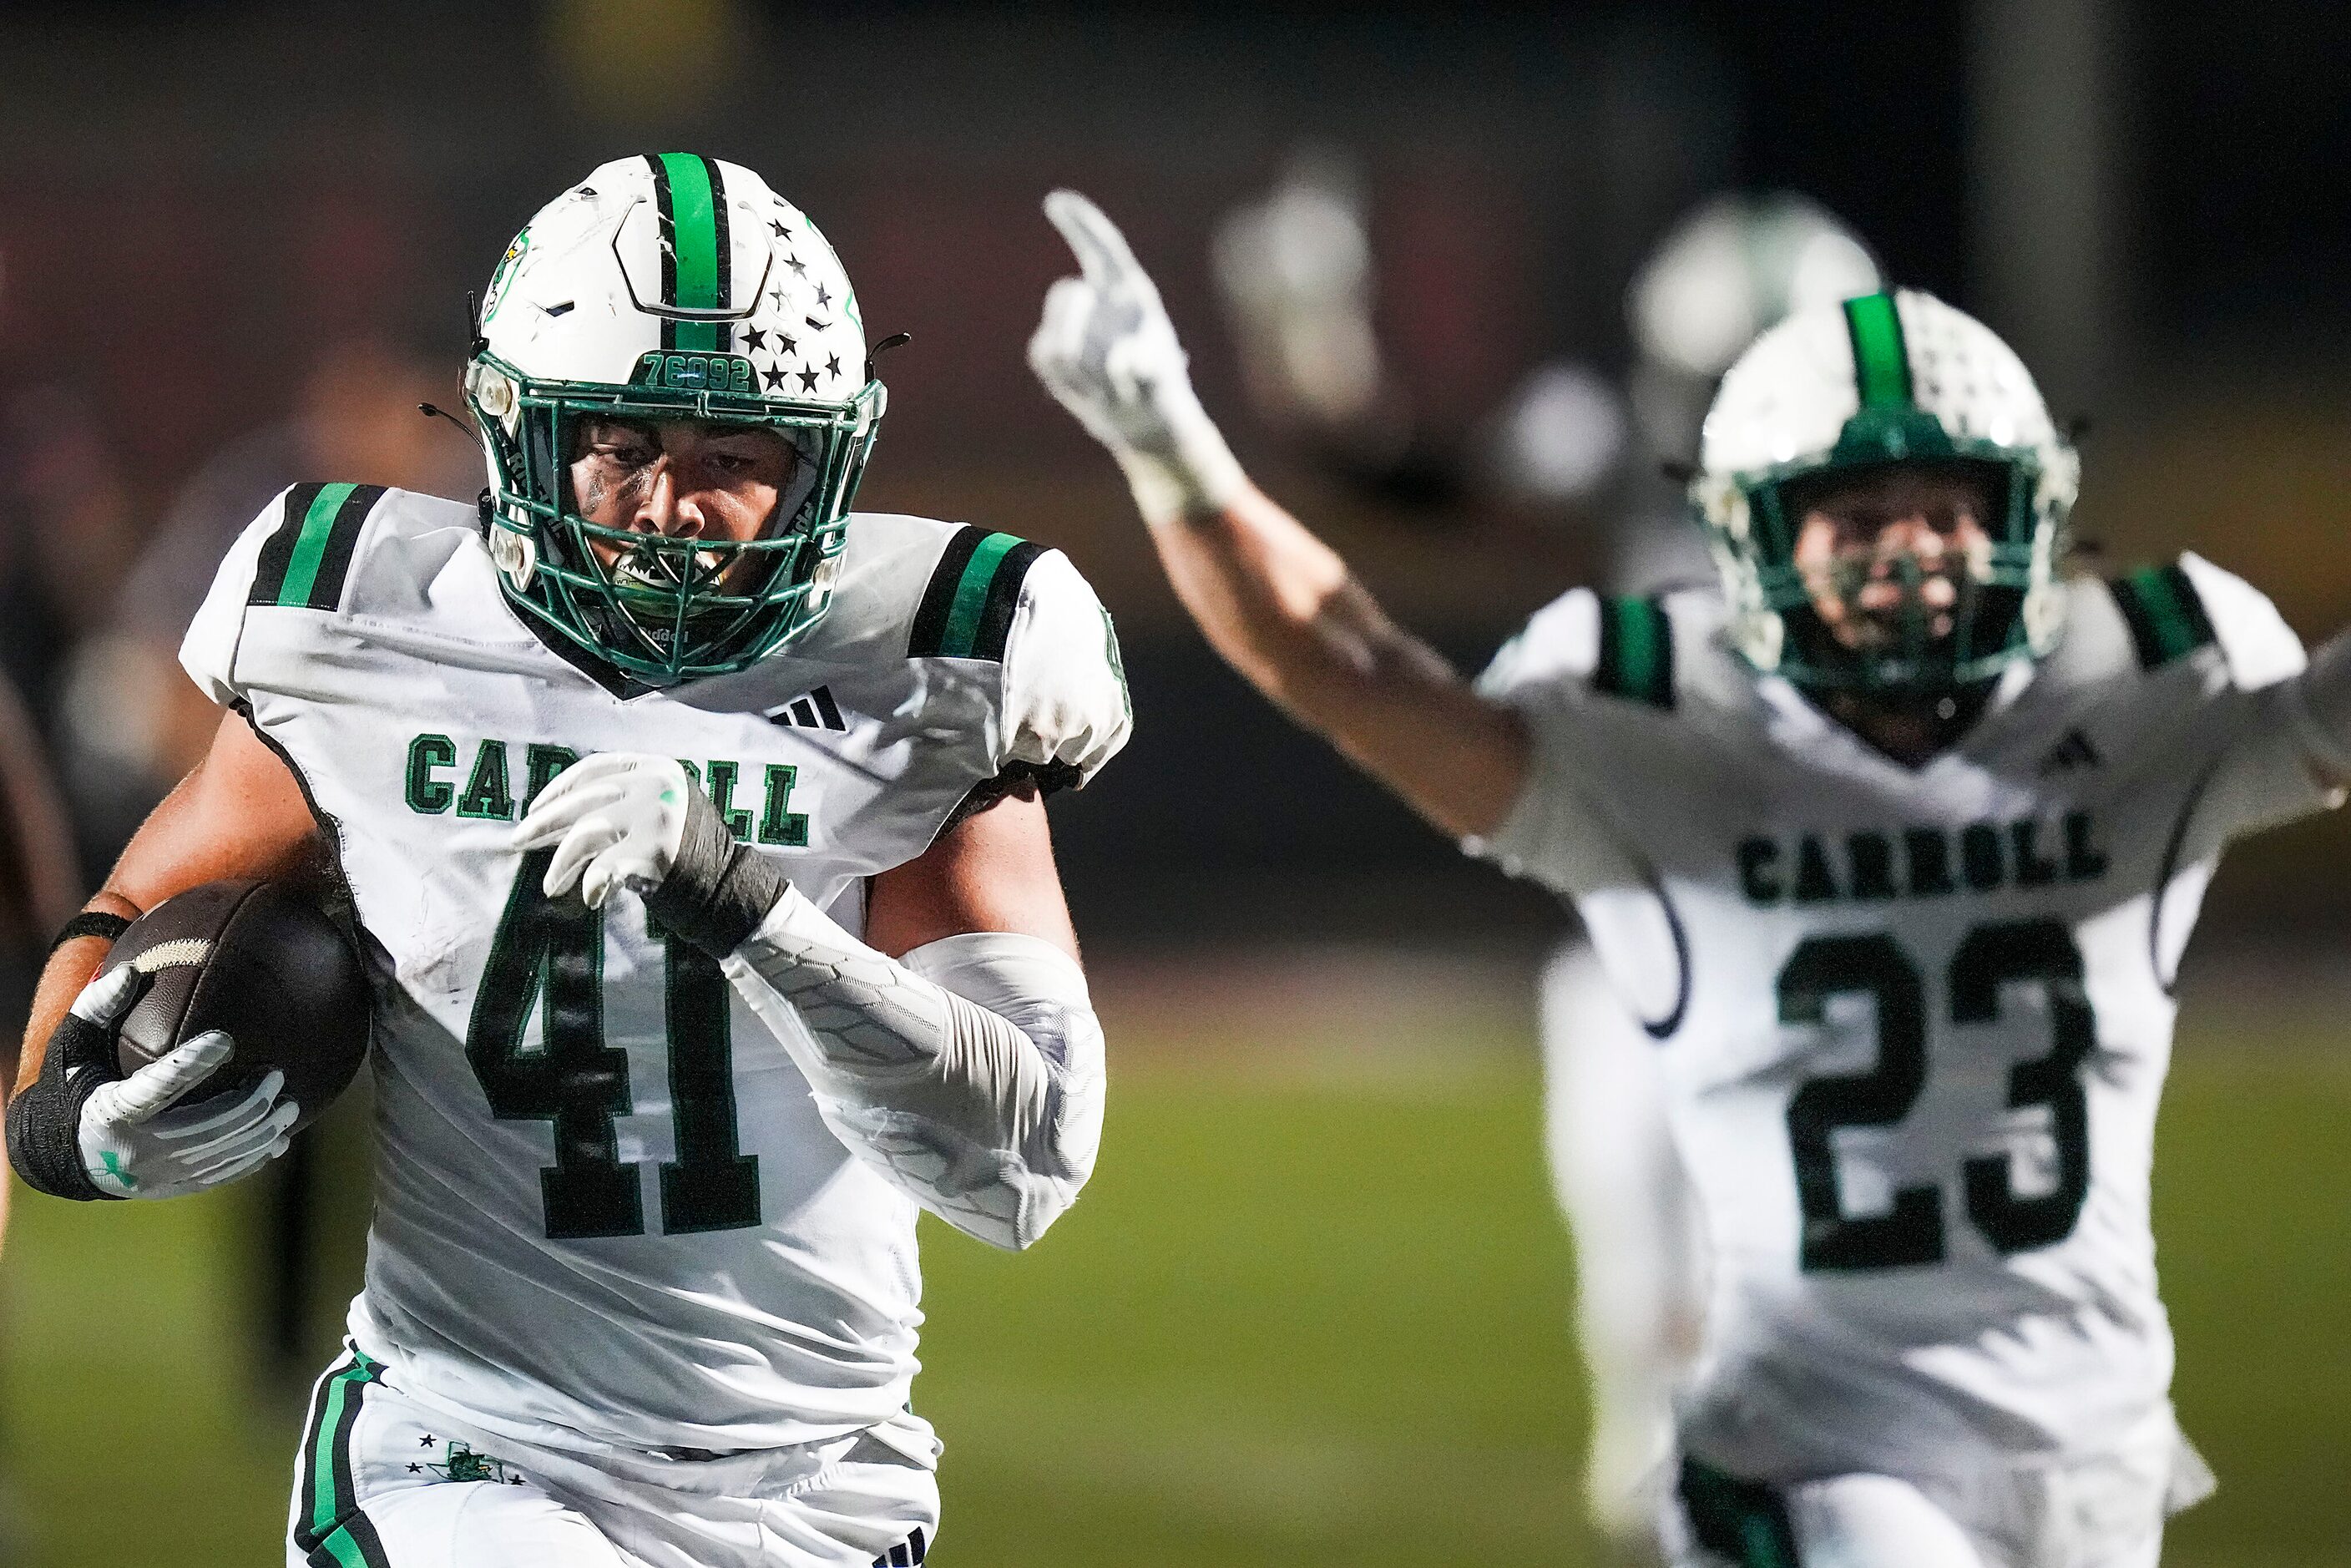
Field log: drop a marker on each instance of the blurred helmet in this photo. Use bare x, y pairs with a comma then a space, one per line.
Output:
665, 287
1888, 378
1734, 265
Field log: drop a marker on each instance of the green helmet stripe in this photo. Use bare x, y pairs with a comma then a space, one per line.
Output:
695, 258
1881, 364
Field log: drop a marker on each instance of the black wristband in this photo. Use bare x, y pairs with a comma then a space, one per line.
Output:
90, 922
45, 1121
718, 890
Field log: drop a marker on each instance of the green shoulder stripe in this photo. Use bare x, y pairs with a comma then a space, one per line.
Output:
2165, 618
966, 607
304, 562
1636, 651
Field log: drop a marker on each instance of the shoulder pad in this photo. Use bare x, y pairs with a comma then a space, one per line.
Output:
1558, 644
1066, 707
2260, 648
2172, 611
306, 558
1636, 651
966, 607
296, 555
897, 594
1623, 648
2165, 615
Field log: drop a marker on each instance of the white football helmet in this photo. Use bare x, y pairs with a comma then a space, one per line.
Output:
667, 287
1884, 378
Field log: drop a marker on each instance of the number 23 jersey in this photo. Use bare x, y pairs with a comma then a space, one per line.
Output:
1913, 1024
605, 1202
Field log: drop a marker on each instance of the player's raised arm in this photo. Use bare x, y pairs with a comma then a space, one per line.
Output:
1275, 600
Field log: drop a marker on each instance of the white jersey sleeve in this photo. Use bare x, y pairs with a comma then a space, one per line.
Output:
208, 652
2266, 774
1066, 709
1550, 675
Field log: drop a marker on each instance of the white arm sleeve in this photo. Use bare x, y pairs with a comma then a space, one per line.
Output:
970, 1073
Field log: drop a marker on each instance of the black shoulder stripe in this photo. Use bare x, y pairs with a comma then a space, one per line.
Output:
966, 607
939, 594
1003, 599
2166, 617
1636, 651
335, 564
304, 563
269, 571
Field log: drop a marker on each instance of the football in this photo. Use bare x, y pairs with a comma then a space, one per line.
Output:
262, 962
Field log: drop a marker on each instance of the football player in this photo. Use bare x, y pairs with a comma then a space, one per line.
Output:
1893, 845
694, 826
1293, 269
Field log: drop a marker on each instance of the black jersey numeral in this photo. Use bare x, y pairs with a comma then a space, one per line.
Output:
712, 1185
2042, 951
1911, 1231
551, 952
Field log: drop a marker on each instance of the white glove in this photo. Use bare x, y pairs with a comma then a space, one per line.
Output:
135, 1144
615, 820
635, 820
1107, 353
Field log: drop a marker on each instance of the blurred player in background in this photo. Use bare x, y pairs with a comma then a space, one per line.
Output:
1294, 269
668, 1054
1892, 844
355, 412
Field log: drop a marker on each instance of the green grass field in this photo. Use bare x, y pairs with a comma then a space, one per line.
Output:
1300, 1314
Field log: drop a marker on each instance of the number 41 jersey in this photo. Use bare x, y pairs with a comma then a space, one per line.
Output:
605, 1203
1913, 1024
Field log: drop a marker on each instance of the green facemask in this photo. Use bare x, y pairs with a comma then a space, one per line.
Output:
666, 611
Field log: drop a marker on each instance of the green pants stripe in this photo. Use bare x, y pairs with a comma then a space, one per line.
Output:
333, 1530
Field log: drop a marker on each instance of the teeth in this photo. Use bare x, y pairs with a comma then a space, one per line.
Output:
656, 573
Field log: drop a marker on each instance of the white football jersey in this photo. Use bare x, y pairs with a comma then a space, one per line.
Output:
605, 1203
1913, 1024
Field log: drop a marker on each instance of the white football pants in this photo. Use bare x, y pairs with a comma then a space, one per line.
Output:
1640, 1257
2098, 1510
381, 1482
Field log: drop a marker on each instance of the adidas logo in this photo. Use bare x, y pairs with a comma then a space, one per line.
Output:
811, 710
2073, 751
